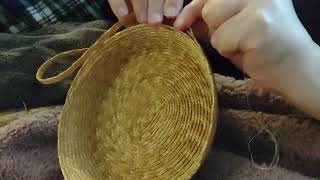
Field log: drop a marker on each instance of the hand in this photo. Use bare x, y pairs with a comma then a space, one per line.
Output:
147, 11
262, 37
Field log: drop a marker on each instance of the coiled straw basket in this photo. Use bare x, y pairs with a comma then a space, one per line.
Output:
142, 106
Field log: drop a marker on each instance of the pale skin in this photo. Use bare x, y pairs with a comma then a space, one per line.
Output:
147, 11
264, 38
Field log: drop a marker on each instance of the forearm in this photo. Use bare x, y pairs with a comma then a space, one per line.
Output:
300, 82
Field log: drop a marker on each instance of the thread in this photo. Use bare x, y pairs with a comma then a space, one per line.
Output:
276, 156
25, 107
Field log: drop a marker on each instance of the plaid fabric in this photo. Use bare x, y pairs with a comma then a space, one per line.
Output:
24, 15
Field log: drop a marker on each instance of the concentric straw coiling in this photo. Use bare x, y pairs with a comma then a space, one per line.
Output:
143, 107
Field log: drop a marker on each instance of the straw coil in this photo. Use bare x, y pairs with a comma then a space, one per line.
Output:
143, 106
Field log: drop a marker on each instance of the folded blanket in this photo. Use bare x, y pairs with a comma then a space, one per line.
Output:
21, 56
244, 110
242, 116
28, 146
28, 151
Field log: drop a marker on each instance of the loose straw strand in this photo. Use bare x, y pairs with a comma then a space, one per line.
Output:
276, 156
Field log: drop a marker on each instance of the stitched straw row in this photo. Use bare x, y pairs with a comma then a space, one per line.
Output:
142, 107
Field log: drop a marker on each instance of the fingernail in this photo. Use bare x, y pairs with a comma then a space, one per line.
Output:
170, 11
155, 18
123, 11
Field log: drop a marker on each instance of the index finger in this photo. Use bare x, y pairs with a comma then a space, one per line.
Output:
119, 7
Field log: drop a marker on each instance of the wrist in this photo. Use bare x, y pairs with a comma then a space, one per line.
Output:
299, 65
299, 80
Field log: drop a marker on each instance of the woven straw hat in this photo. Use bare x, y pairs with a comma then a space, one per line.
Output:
142, 106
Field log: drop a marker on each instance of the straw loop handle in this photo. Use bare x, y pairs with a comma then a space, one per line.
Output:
45, 66
77, 64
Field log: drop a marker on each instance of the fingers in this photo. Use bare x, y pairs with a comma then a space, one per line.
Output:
226, 38
172, 8
216, 12
119, 7
151, 11
189, 14
140, 7
249, 30
155, 11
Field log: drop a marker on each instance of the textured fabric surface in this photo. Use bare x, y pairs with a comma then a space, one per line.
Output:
224, 165
21, 56
28, 149
28, 146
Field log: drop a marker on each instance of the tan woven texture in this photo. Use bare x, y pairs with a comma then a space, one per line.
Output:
142, 107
